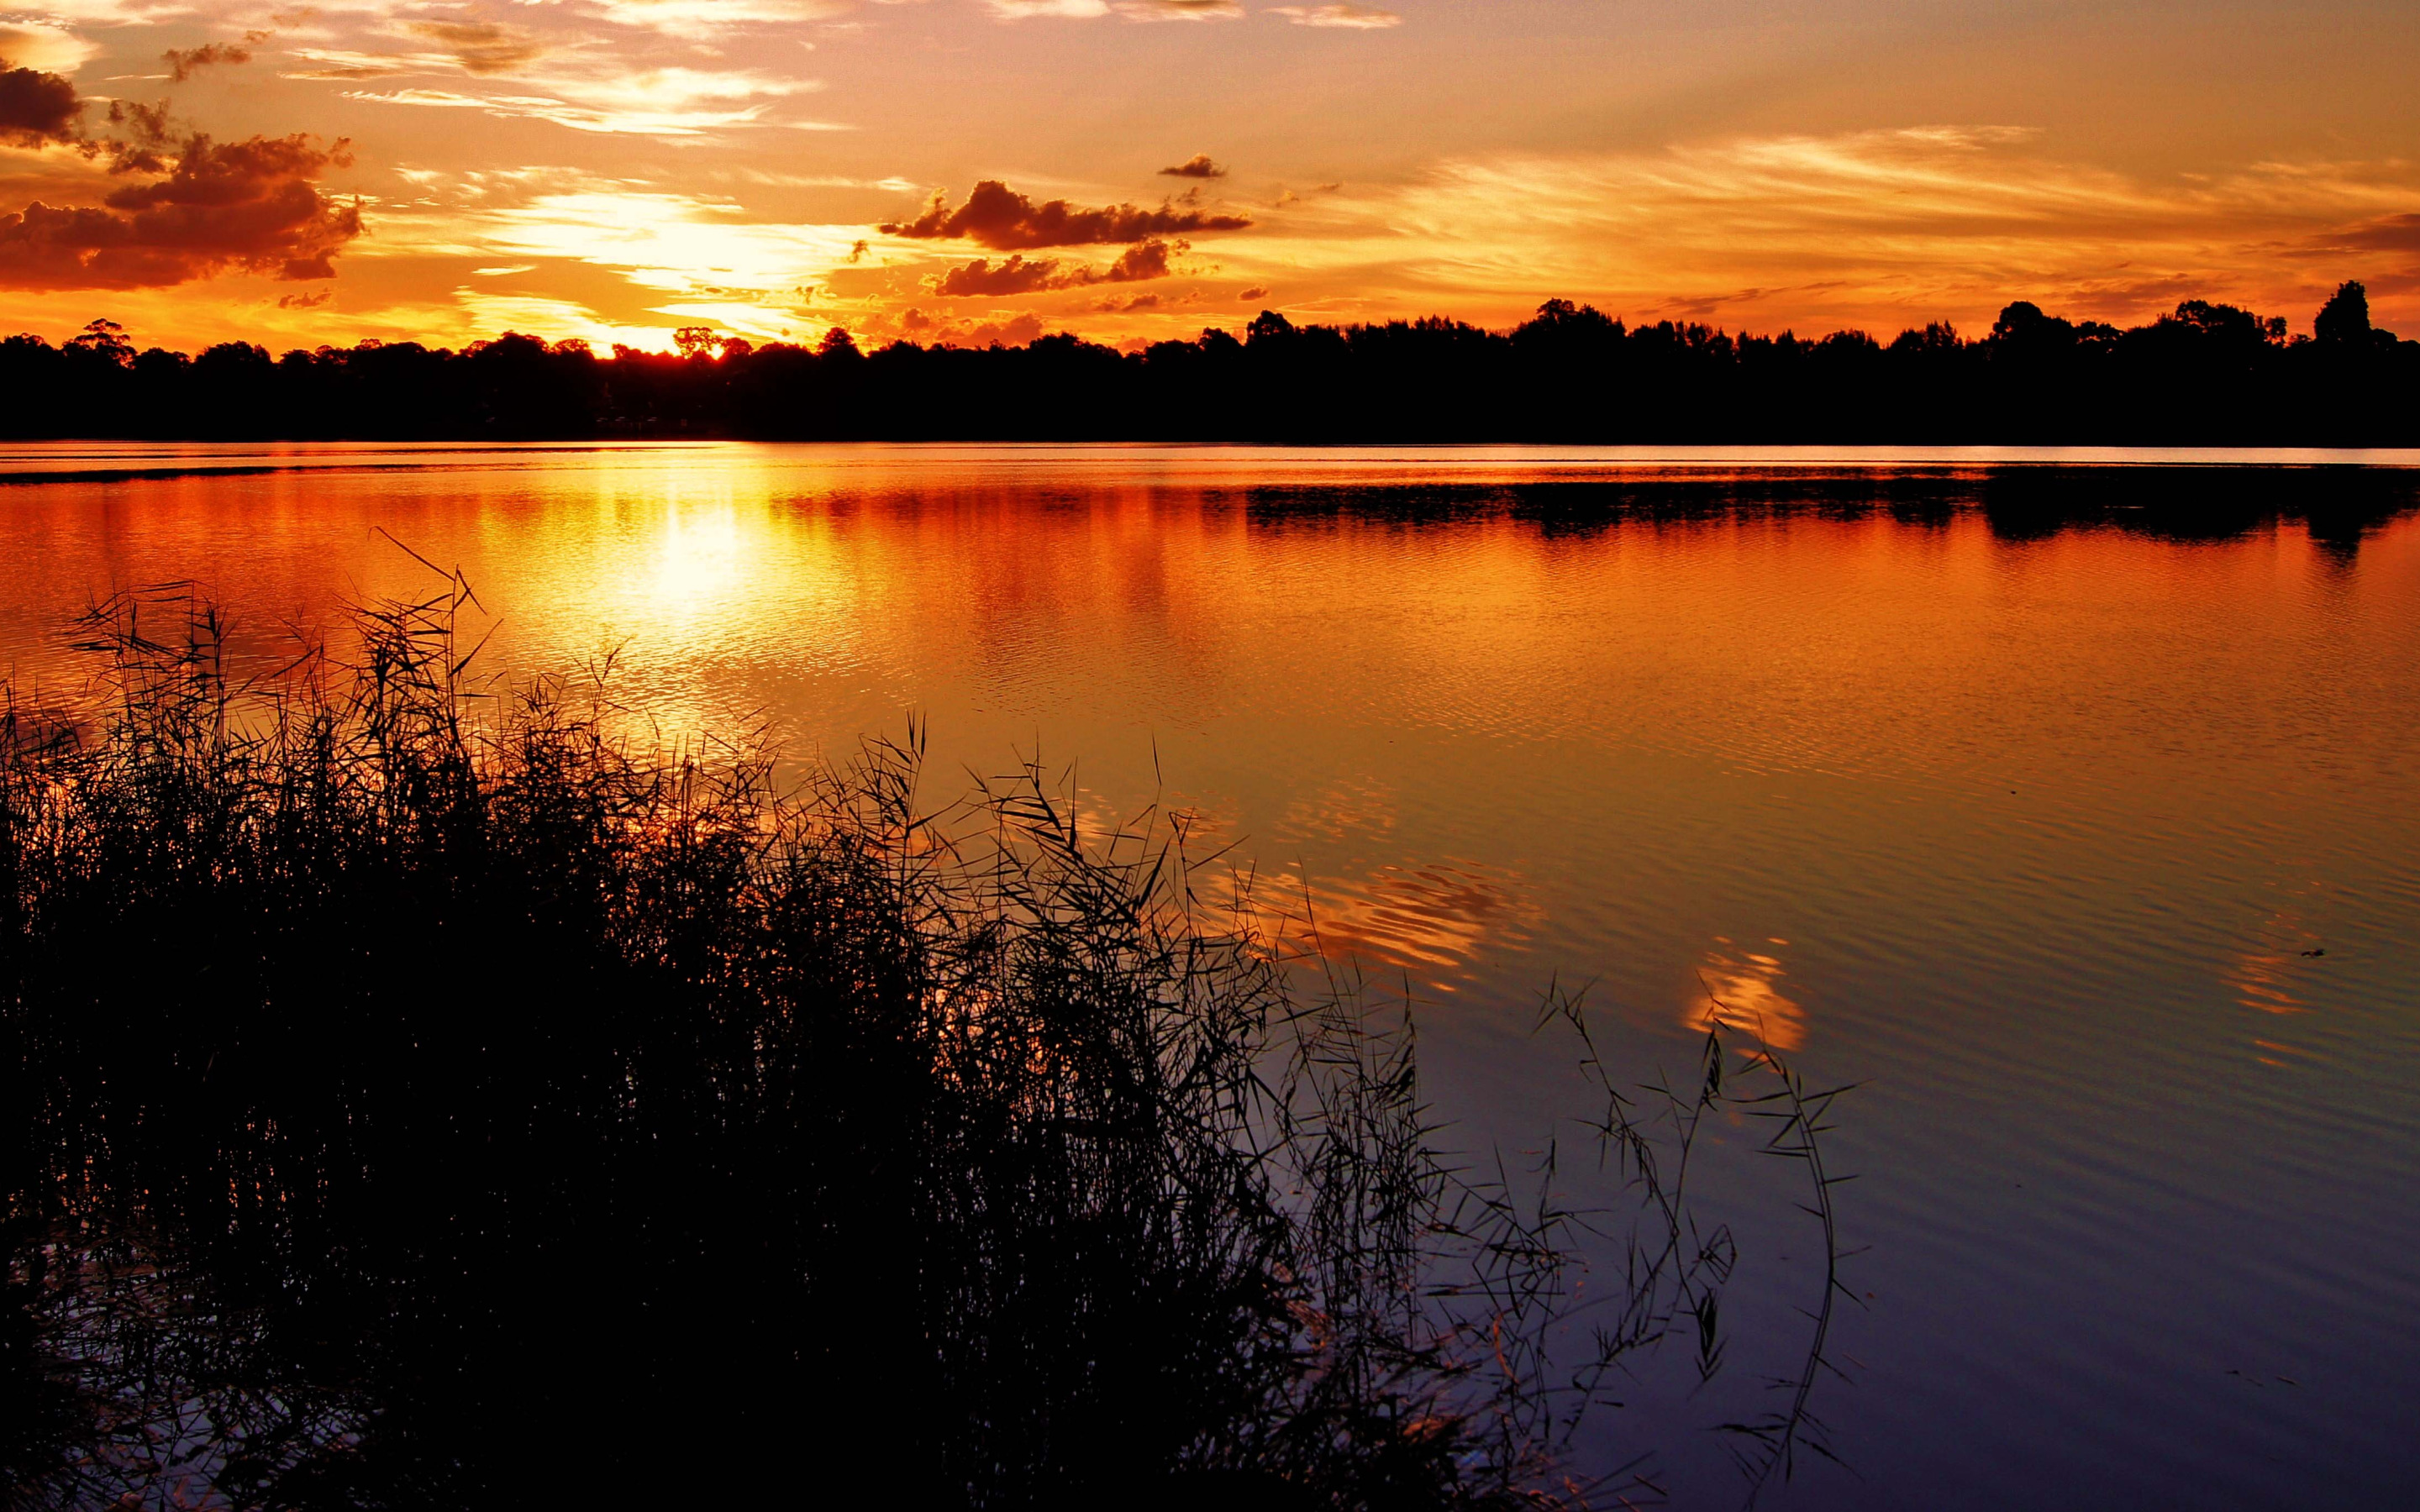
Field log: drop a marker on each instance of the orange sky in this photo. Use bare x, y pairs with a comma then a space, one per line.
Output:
612, 169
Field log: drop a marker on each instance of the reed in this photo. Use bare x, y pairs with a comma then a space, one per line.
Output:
419, 1094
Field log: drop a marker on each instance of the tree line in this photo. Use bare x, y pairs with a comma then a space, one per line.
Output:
2206, 373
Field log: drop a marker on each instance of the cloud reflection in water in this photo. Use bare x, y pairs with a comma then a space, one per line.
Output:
1738, 991
1436, 916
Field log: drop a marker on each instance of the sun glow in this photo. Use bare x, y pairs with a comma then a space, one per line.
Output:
661, 163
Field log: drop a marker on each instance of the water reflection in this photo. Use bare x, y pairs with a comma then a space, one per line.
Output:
1349, 811
1437, 918
700, 556
1739, 991
2270, 977
2265, 982
2027, 763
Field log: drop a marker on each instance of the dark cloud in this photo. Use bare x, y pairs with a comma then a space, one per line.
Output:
37, 108
934, 333
142, 138
2402, 281
1144, 259
1018, 274
981, 278
482, 47
183, 63
360, 69
1021, 332
249, 206
1140, 301
998, 217
2392, 233
1255, 292
1197, 166
476, 47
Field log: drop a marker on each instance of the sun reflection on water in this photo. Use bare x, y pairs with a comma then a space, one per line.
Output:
699, 558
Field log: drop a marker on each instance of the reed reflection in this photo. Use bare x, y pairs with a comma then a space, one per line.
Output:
466, 1073
1990, 745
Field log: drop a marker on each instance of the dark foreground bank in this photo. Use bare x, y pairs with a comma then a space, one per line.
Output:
2207, 373
416, 1098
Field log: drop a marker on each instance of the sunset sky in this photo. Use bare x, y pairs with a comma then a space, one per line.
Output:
612, 169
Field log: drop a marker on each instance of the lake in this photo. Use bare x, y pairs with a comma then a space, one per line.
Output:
2067, 804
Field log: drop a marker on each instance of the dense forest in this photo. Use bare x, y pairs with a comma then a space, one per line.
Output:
2208, 373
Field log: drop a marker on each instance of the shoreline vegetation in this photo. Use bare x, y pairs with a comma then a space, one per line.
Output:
417, 1095
2206, 374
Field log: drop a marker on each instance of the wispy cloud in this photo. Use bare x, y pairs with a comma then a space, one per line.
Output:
1868, 226
1150, 10
685, 18
482, 47
669, 249
667, 101
44, 46
1343, 17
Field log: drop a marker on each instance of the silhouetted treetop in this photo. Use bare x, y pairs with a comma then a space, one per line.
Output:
2204, 373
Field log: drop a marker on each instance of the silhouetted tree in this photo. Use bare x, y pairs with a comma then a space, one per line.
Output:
2344, 321
2206, 372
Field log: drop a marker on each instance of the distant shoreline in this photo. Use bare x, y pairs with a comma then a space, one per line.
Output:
2206, 375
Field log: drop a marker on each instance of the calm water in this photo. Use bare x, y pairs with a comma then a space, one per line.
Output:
2034, 826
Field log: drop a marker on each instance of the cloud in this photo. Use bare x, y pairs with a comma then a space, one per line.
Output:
248, 206
1144, 259
44, 46
1143, 10
1064, 9
683, 18
183, 63
1862, 228
1021, 332
997, 217
2390, 233
1197, 166
673, 250
1255, 292
667, 101
1014, 274
334, 63
145, 137
1140, 301
676, 102
1355, 18
482, 47
110, 12
1148, 10
37, 108
918, 326
305, 300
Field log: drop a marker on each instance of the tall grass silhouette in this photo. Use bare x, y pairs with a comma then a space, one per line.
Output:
423, 1093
